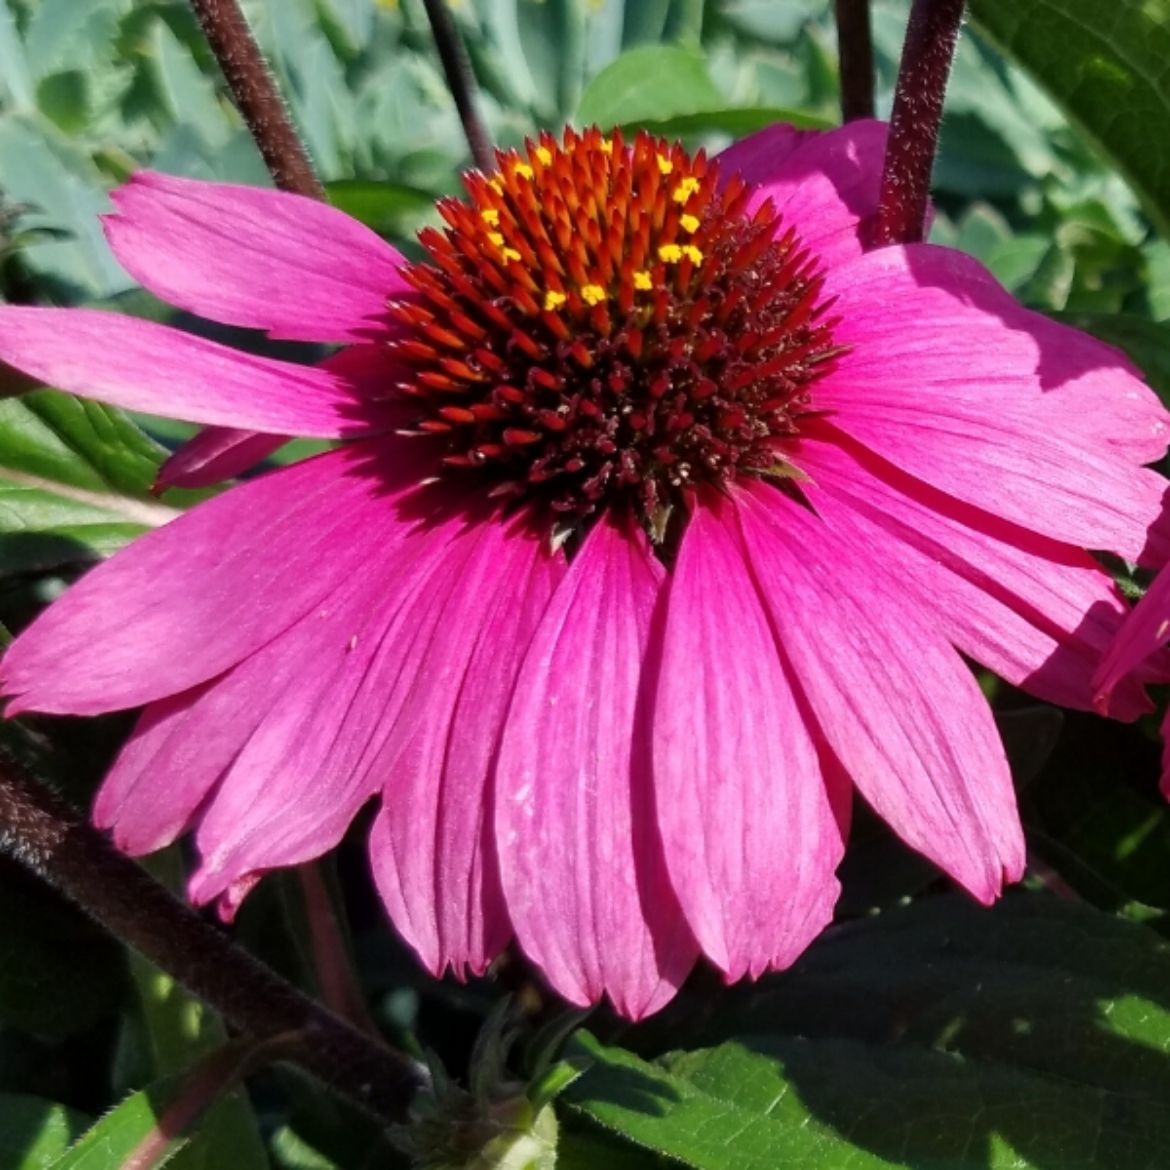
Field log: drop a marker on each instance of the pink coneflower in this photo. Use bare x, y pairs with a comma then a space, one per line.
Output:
663, 513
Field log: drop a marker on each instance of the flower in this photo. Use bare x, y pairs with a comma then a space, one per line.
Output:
661, 514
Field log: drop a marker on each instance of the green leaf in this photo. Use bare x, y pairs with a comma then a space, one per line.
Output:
392, 209
941, 1036
1105, 63
649, 84
704, 1128
735, 122
162, 1117
35, 1132
75, 481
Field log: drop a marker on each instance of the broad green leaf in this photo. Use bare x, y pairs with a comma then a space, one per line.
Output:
1033, 1036
35, 1132
649, 84
704, 1128
75, 478
1105, 63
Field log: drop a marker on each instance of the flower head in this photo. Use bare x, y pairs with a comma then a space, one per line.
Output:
662, 514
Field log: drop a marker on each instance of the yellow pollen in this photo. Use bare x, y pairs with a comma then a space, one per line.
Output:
670, 253
512, 254
606, 146
553, 300
642, 280
689, 223
685, 189
523, 170
496, 184
491, 216
544, 154
496, 239
665, 166
592, 294
693, 254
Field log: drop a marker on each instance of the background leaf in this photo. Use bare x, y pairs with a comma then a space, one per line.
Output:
35, 1132
938, 1036
1106, 65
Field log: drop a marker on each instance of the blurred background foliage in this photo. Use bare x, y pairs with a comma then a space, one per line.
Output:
925, 1035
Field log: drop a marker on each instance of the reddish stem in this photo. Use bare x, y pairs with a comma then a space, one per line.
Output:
918, 103
855, 59
256, 96
44, 834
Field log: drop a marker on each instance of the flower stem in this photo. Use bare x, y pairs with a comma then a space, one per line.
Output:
329, 948
855, 59
45, 835
460, 82
918, 102
257, 97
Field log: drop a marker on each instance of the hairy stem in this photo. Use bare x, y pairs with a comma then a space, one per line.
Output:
918, 103
460, 82
44, 834
257, 97
855, 59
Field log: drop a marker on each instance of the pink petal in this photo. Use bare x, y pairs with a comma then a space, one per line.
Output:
748, 825
191, 599
759, 157
433, 843
335, 693
1144, 633
933, 325
216, 454
247, 256
896, 704
1038, 613
579, 849
219, 453
1012, 463
170, 763
826, 186
143, 366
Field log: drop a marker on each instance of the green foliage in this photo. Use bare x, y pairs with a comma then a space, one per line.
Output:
1107, 65
34, 1133
939, 1037
75, 481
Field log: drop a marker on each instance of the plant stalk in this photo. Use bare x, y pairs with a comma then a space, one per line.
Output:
256, 96
855, 59
461, 82
918, 103
45, 835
